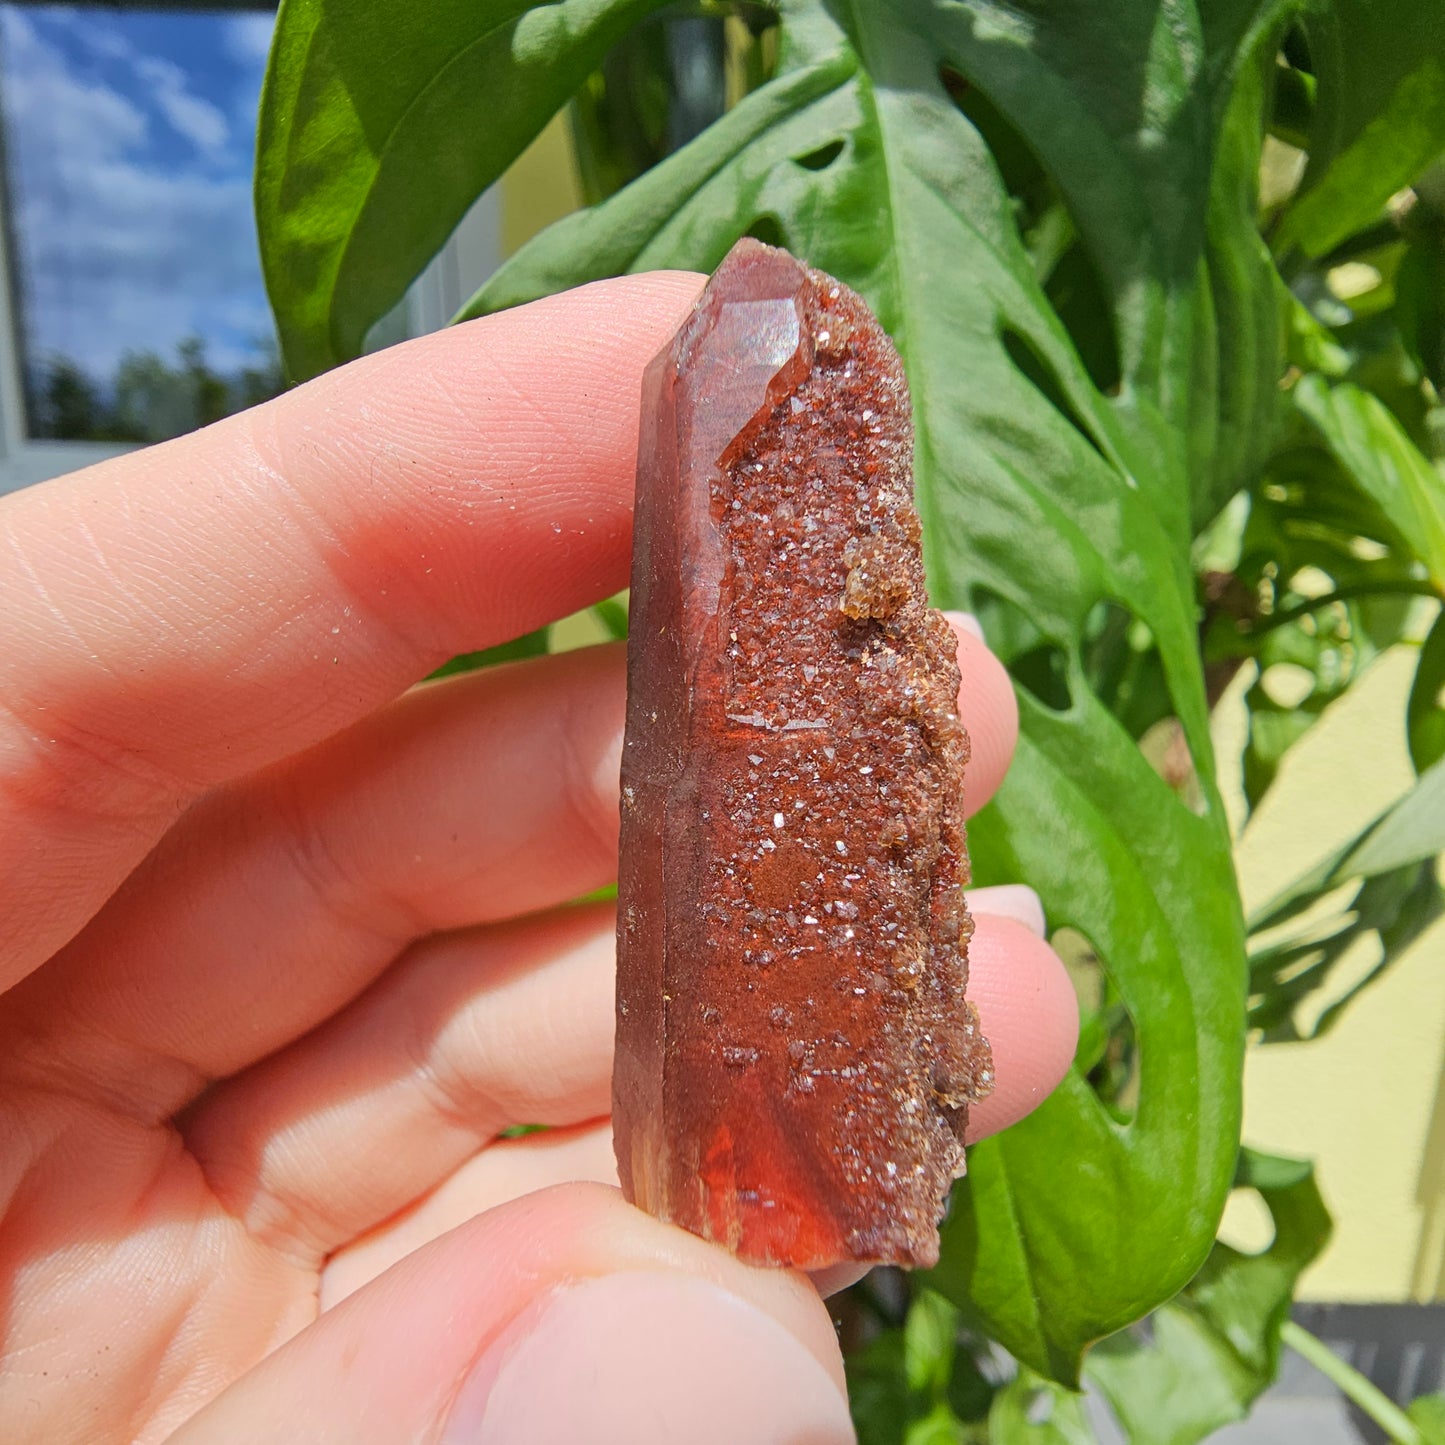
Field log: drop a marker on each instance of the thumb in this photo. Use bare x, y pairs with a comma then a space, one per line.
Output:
566, 1316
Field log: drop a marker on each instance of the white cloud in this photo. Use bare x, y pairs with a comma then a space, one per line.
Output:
189, 115
248, 37
67, 115
162, 81
122, 251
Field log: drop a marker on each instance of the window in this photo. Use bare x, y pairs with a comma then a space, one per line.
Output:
136, 309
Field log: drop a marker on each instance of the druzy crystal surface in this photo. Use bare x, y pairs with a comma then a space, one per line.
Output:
795, 1055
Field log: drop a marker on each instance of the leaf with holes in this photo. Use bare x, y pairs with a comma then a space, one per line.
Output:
987, 178
1213, 1349
1052, 210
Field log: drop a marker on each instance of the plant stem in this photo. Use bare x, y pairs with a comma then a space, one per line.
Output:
1396, 587
1351, 1384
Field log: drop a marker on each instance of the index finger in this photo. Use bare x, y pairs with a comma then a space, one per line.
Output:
193, 612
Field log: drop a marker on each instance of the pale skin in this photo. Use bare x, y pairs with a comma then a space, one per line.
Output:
282, 949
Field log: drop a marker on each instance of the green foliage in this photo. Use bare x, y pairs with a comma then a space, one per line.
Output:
533, 644
1213, 1349
1390, 871
1425, 715
1162, 444
381, 124
1414, 1428
1379, 115
917, 1383
1031, 1410
1043, 450
1427, 1414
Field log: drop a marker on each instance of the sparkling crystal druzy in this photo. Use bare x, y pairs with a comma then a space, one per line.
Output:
795, 1055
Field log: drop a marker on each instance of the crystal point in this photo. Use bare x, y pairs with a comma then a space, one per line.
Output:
795, 1054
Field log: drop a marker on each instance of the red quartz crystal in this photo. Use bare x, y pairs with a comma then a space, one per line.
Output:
795, 1055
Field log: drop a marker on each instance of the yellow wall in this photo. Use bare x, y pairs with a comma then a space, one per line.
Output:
1366, 1101
541, 187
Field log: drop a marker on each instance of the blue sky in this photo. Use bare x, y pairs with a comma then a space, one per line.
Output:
130, 138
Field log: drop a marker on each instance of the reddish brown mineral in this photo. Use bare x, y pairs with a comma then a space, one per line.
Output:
795, 1055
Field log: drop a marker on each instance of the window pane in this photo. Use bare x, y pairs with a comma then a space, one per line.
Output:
128, 144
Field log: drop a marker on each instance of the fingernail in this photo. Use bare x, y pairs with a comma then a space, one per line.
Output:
968, 622
1010, 900
642, 1358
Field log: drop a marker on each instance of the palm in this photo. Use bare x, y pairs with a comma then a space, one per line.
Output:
123, 1225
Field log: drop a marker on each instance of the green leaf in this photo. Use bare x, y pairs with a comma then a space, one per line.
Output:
919, 1385
381, 122
1379, 116
1244, 312
611, 612
1411, 830
1211, 1351
1425, 714
1427, 1414
929, 1339
1365, 438
940, 1427
1398, 896
1420, 302
664, 217
533, 644
878, 1393
1031, 1410
1029, 458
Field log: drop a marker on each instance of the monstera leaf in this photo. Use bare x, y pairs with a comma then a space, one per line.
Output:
1052, 209
868, 154
859, 156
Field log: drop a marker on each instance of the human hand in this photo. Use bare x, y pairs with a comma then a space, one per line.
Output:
282, 945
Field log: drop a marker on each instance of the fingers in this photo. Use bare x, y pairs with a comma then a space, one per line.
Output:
990, 712
1010, 900
504, 1171
565, 1316
181, 616
1030, 1014
468, 1035
278, 899
476, 1032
